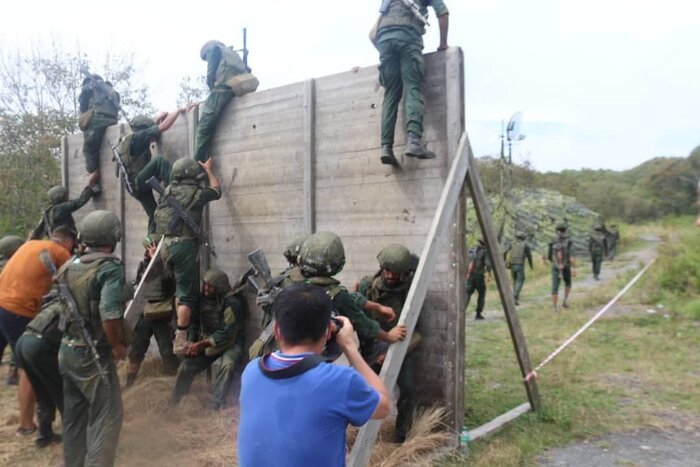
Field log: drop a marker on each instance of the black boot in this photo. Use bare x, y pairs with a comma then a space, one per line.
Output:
416, 148
478, 315
46, 436
388, 156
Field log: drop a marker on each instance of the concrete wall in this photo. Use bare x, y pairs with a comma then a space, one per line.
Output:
305, 157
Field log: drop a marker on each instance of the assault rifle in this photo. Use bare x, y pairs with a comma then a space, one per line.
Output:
182, 214
411, 5
265, 296
120, 168
72, 315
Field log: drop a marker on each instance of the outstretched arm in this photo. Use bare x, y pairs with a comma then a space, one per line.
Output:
169, 120
213, 181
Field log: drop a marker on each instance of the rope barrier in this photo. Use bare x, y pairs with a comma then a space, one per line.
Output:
533, 373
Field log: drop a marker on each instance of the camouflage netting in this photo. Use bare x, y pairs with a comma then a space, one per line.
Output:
536, 212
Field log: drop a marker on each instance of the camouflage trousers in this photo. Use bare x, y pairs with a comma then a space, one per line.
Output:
180, 256
92, 139
596, 261
192, 366
208, 120
163, 333
401, 73
92, 418
517, 272
160, 168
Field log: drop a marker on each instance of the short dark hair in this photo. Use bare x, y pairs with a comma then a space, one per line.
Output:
302, 312
64, 233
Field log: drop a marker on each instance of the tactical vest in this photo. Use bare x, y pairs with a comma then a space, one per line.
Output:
597, 240
560, 249
398, 15
517, 253
330, 285
216, 313
133, 163
187, 193
230, 65
80, 278
45, 323
104, 99
393, 297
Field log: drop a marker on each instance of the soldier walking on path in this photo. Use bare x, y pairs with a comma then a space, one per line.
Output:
519, 251
217, 331
60, 210
613, 236
223, 66
560, 254
597, 247
389, 287
399, 40
477, 268
99, 109
92, 399
134, 149
180, 251
154, 322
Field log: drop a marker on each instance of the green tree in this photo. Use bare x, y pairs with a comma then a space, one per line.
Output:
39, 88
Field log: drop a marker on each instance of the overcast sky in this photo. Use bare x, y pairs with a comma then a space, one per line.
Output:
601, 83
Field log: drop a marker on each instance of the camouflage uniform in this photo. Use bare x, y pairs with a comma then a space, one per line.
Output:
559, 253
375, 289
135, 150
597, 247
613, 237
401, 71
221, 319
100, 98
222, 64
476, 280
60, 211
519, 251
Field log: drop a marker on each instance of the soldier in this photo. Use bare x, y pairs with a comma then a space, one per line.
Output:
400, 44
92, 400
613, 237
477, 269
181, 245
321, 257
291, 252
8, 246
60, 210
135, 151
597, 247
389, 287
560, 254
23, 283
155, 321
519, 251
223, 64
99, 109
37, 355
218, 331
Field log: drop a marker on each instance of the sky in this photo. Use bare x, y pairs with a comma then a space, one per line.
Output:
602, 84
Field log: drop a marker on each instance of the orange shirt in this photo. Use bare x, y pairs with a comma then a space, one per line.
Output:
25, 280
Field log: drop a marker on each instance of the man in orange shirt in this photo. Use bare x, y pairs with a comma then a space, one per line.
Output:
23, 283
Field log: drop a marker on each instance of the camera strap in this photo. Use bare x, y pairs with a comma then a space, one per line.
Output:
305, 364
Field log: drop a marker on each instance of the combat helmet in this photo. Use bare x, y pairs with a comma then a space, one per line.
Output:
520, 235
218, 279
57, 194
100, 228
185, 168
208, 45
9, 245
561, 226
396, 258
598, 227
322, 254
291, 252
141, 122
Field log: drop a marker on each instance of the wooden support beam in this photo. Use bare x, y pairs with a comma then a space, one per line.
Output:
121, 202
497, 423
483, 214
416, 295
309, 155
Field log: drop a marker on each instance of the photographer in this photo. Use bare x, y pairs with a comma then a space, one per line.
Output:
295, 406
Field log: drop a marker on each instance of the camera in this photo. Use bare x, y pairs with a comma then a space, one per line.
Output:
337, 324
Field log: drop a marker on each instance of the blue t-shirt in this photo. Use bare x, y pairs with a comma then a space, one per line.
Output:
300, 421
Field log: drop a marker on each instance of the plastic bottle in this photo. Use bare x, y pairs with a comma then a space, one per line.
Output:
464, 441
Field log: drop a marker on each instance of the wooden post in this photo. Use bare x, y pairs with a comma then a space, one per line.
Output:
309, 155
483, 214
416, 295
121, 203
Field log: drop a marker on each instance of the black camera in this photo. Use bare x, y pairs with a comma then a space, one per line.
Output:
338, 324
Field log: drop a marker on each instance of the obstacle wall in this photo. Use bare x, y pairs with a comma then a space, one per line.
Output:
305, 158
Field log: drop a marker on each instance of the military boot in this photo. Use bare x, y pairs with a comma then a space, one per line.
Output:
181, 344
46, 436
478, 315
388, 155
416, 148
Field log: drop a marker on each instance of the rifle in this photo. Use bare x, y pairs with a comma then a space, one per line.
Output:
120, 168
182, 214
72, 314
265, 295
